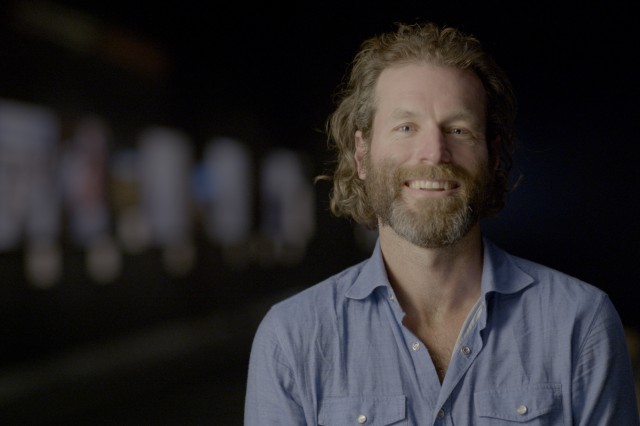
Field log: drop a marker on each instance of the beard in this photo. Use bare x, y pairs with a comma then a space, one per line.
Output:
431, 222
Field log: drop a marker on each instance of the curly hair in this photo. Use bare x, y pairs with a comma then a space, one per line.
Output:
414, 43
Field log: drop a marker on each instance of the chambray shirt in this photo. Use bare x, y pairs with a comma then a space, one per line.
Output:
539, 348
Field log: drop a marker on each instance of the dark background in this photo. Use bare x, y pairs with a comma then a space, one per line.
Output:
151, 349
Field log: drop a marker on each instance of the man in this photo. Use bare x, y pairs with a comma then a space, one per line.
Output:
439, 326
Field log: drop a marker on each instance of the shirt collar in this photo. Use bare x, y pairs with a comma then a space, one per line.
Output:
372, 276
499, 273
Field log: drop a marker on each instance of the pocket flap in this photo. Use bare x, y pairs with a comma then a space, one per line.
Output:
518, 404
366, 410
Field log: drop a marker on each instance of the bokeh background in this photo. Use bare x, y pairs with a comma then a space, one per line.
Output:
157, 194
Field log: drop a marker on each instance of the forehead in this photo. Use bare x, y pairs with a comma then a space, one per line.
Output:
428, 86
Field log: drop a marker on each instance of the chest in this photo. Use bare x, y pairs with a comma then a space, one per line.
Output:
386, 361
439, 339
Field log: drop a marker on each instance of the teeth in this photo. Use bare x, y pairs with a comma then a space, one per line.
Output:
431, 184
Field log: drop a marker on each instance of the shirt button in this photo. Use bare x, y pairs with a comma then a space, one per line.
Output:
441, 413
392, 297
522, 410
466, 350
415, 346
362, 419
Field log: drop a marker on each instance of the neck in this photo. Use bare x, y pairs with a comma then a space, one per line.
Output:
433, 283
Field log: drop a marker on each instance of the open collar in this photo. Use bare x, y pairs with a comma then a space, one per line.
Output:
500, 274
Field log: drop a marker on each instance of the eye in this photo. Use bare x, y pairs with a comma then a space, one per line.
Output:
462, 134
405, 128
458, 131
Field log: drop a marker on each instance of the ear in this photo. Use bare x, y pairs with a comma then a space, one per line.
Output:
359, 155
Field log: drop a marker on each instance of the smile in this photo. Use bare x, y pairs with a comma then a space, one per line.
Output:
432, 185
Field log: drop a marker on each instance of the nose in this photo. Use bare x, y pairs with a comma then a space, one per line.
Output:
432, 148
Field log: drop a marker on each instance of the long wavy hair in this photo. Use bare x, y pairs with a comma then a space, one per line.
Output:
414, 43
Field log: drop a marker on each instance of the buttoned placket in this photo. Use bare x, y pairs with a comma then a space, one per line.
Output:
427, 377
460, 362
466, 352
463, 358
443, 415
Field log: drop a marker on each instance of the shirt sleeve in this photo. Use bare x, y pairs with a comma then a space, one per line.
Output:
603, 389
271, 396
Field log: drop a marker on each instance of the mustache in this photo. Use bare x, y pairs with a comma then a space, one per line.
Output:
439, 172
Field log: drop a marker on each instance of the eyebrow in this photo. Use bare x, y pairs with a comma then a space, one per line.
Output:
402, 113
464, 114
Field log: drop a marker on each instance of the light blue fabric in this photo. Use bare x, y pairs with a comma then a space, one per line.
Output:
546, 349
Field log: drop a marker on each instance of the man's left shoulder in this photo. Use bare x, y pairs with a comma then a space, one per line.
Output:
556, 282
558, 299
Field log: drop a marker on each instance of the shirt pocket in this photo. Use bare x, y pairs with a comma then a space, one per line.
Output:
536, 404
365, 410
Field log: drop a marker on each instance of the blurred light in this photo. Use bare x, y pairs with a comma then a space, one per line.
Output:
179, 258
29, 191
288, 207
104, 262
131, 227
165, 187
227, 183
43, 264
83, 168
165, 163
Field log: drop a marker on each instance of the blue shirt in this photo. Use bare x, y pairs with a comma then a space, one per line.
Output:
540, 347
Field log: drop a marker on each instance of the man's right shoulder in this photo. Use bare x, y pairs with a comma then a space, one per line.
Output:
324, 297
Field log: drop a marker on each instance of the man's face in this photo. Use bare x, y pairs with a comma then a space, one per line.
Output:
425, 168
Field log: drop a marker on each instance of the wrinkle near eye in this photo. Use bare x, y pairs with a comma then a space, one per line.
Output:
463, 135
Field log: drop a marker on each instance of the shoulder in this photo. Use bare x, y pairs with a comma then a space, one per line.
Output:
320, 303
541, 290
551, 306
561, 297
561, 284
507, 273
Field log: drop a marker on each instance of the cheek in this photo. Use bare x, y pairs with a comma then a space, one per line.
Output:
393, 154
470, 157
